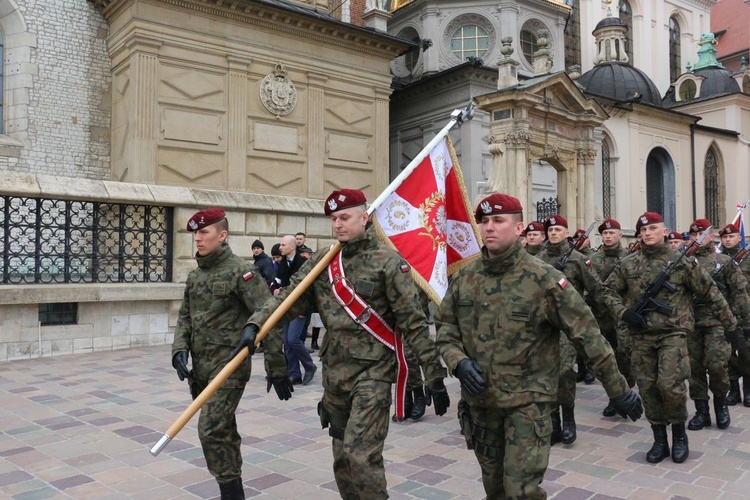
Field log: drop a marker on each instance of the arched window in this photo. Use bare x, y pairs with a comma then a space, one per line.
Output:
674, 49
687, 90
470, 41
626, 16
573, 35
606, 179
711, 186
660, 185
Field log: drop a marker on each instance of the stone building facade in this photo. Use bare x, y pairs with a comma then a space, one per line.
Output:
123, 117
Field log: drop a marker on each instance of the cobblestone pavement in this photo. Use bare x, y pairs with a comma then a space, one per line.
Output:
81, 426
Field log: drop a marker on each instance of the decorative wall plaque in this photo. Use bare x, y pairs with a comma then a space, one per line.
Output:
277, 92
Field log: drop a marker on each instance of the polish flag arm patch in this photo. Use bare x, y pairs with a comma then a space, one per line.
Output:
248, 275
588, 262
405, 268
563, 282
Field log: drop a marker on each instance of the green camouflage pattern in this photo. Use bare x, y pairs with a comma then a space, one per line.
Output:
354, 361
660, 361
507, 314
534, 249
734, 287
614, 330
522, 438
709, 354
579, 271
739, 362
216, 303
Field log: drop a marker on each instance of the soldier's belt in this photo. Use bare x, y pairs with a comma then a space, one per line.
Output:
372, 322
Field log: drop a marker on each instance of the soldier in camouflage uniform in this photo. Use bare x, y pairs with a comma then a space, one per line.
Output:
739, 362
359, 370
535, 237
219, 296
675, 240
660, 360
580, 273
708, 346
498, 330
614, 330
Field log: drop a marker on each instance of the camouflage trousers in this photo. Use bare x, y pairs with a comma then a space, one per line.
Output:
566, 388
414, 379
739, 362
359, 425
709, 353
621, 344
217, 431
661, 366
512, 447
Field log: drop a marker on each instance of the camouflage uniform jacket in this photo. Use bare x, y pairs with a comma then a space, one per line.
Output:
745, 266
604, 261
217, 301
627, 284
506, 313
580, 272
534, 249
383, 279
734, 286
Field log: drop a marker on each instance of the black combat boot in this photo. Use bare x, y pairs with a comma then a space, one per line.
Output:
746, 391
581, 372
609, 411
408, 407
734, 393
680, 450
556, 435
568, 425
420, 404
233, 490
722, 412
660, 450
702, 417
314, 342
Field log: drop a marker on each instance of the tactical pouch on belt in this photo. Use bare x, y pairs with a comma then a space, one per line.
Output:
335, 429
464, 420
193, 385
324, 417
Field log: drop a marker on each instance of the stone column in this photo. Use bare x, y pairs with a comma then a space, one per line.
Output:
316, 136
144, 64
510, 165
431, 24
237, 123
496, 180
586, 207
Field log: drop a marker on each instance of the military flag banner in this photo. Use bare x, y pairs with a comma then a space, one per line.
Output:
428, 220
739, 221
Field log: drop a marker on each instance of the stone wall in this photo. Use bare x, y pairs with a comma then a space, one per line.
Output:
57, 88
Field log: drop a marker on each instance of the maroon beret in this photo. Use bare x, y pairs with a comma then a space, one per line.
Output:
535, 226
730, 229
497, 203
344, 198
555, 220
700, 225
608, 224
674, 235
203, 218
579, 232
646, 219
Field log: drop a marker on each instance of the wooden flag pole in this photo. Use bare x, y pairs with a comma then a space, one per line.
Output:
457, 117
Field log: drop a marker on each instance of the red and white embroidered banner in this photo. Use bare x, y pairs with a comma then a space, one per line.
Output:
428, 220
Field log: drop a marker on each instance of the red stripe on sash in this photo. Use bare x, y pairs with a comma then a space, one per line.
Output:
366, 317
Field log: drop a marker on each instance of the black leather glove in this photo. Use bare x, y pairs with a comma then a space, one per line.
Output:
282, 385
247, 339
437, 392
632, 318
628, 405
470, 375
179, 363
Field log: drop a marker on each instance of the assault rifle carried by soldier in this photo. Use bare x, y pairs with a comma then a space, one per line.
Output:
577, 245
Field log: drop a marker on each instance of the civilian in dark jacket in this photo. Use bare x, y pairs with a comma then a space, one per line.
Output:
263, 262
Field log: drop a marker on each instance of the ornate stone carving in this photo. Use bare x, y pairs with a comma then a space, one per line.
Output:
277, 92
519, 137
586, 155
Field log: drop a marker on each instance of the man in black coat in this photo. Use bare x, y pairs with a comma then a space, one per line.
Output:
263, 262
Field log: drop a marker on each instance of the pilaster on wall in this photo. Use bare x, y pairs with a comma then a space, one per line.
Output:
316, 135
237, 118
382, 112
586, 202
144, 64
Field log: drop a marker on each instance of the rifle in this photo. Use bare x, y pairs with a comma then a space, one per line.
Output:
577, 245
636, 246
738, 259
648, 302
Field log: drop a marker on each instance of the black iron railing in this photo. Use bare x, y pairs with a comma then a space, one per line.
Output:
547, 207
70, 241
